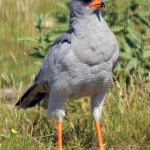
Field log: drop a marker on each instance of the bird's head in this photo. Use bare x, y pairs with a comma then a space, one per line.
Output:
82, 8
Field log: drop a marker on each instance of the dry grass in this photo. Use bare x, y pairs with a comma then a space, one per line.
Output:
17, 21
125, 120
125, 123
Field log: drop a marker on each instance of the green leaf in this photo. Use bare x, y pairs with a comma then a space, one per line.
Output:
62, 25
146, 54
132, 64
144, 13
146, 37
143, 20
142, 70
126, 55
61, 5
126, 46
28, 39
117, 28
143, 2
147, 47
38, 63
54, 37
134, 36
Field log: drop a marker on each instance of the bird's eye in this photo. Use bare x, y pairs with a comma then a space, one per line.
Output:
87, 1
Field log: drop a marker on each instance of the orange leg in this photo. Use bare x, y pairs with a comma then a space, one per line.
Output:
59, 129
99, 135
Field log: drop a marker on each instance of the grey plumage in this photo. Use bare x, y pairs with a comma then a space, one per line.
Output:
79, 64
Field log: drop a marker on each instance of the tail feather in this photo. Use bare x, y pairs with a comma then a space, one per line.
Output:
33, 96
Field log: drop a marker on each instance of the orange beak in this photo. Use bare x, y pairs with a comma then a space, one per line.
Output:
96, 4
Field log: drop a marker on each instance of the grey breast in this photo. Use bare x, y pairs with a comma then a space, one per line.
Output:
93, 42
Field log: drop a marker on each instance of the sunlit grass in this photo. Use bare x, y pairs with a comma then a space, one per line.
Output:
125, 120
17, 21
125, 123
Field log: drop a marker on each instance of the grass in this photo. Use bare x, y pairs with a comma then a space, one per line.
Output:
125, 120
17, 21
125, 123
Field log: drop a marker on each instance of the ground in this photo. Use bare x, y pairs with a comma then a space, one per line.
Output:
125, 123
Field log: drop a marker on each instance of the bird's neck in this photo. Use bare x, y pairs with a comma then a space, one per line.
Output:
76, 19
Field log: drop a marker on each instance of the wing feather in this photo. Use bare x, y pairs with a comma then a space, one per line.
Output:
51, 67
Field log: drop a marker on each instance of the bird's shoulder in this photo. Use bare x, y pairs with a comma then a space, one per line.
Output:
65, 37
53, 61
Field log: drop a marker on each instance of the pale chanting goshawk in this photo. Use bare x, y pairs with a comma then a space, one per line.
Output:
79, 64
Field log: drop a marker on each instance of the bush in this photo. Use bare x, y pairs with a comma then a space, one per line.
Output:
129, 21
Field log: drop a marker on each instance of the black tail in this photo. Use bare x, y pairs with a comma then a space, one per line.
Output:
32, 96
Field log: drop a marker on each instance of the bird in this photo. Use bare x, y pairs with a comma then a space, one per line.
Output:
79, 64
